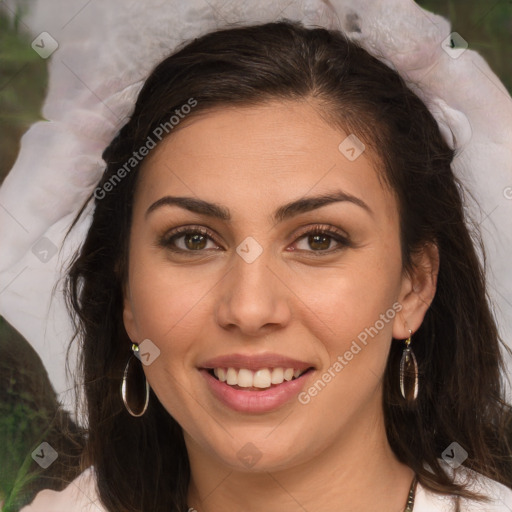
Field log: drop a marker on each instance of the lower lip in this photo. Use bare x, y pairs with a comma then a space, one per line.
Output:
255, 401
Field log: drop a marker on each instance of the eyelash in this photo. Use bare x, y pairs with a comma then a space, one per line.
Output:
167, 240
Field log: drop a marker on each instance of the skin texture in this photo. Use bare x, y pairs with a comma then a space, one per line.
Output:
331, 453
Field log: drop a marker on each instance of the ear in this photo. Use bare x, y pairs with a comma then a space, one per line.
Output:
417, 291
128, 315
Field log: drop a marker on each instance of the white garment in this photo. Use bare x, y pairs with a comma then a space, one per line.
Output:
81, 496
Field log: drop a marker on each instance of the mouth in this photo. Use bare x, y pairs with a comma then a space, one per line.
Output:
255, 383
262, 379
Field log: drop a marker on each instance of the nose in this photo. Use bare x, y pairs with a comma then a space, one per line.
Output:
254, 300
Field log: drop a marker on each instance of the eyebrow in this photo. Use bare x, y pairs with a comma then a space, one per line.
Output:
282, 213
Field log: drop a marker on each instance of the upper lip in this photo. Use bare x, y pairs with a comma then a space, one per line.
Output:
255, 362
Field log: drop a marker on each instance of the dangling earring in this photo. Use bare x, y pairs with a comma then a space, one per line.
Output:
409, 373
124, 386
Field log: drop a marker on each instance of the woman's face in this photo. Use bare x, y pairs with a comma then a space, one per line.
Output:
262, 291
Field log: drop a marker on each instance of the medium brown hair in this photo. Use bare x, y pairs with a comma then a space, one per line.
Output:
141, 463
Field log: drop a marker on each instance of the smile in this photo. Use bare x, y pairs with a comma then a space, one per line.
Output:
254, 400
264, 378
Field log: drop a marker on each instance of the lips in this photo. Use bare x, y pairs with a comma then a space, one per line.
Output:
254, 362
258, 383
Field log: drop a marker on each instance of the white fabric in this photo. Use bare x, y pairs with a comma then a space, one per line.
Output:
107, 49
81, 496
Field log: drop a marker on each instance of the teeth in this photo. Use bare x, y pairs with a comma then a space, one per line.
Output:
245, 378
232, 377
277, 376
262, 379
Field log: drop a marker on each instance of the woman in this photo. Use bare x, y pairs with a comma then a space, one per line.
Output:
280, 239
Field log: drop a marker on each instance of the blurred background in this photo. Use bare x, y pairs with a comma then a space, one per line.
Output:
29, 410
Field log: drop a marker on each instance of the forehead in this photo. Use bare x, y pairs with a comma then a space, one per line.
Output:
271, 153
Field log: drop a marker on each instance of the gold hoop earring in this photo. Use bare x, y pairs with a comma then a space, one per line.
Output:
409, 373
124, 386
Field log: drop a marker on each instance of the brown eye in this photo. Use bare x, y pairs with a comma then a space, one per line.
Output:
320, 240
195, 241
187, 239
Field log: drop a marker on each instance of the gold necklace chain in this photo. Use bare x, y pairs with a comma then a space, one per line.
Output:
409, 506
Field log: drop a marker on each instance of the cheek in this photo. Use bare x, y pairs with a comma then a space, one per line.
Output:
351, 311
166, 304
351, 297
163, 296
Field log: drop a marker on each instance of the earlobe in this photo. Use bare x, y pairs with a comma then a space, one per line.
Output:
418, 291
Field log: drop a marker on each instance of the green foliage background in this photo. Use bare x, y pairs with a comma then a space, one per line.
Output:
25, 419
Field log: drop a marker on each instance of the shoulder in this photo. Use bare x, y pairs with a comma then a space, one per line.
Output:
79, 496
500, 497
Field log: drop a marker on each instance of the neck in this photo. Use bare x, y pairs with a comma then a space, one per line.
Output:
357, 471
